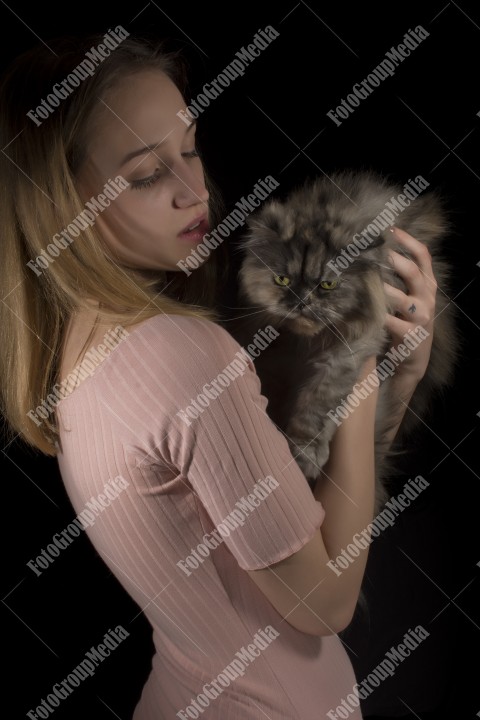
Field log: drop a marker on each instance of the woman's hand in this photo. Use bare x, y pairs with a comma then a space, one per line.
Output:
416, 307
413, 308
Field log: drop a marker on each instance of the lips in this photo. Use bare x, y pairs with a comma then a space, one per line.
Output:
195, 230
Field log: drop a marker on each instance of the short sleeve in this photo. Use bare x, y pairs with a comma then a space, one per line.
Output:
215, 431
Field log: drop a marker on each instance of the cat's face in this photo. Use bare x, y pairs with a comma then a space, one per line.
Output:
290, 267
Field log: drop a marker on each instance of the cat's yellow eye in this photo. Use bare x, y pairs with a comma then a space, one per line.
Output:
328, 284
281, 280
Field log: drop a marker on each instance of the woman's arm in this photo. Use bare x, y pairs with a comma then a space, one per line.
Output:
416, 307
304, 588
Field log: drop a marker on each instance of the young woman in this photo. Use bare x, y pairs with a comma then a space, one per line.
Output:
209, 523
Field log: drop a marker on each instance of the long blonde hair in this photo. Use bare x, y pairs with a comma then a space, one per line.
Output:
38, 197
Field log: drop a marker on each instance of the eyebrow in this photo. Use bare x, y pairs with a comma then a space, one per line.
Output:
148, 148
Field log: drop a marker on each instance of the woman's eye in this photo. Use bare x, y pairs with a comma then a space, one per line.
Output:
145, 182
149, 181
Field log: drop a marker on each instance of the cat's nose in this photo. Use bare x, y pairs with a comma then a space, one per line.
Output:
305, 306
307, 312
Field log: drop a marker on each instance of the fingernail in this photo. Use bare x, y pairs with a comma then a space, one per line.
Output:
393, 228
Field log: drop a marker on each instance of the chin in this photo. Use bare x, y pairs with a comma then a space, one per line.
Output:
305, 326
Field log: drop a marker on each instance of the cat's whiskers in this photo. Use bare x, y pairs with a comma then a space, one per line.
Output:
242, 307
379, 264
239, 317
284, 318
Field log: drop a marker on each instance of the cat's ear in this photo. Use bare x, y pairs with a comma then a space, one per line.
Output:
268, 219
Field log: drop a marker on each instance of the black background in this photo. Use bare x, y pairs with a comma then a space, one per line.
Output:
422, 121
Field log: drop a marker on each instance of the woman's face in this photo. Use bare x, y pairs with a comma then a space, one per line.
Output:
145, 226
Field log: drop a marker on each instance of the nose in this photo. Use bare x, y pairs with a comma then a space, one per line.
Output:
190, 187
304, 305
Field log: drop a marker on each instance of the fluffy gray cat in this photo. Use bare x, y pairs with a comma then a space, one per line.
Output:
313, 268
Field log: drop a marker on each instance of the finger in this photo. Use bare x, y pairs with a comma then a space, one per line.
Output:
415, 279
408, 306
397, 327
398, 301
397, 297
416, 248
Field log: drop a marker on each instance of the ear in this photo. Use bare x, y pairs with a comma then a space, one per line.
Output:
269, 216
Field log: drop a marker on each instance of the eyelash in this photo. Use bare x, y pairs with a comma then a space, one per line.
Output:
152, 179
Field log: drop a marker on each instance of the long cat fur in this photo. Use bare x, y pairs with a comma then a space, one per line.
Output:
315, 361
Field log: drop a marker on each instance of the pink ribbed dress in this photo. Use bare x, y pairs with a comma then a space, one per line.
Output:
222, 651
